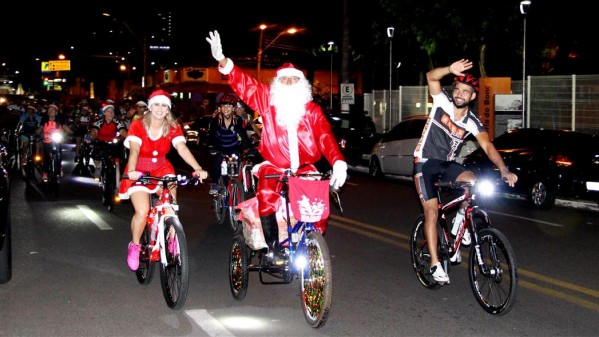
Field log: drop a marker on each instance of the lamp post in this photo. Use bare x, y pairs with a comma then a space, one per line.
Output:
390, 31
262, 50
524, 6
331, 44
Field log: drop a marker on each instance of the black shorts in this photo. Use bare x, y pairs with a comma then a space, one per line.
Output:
426, 173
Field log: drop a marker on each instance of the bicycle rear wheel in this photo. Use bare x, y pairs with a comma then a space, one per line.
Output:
145, 272
421, 258
174, 275
316, 281
218, 202
235, 197
238, 267
495, 285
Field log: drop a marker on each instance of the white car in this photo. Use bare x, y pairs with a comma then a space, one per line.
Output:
393, 154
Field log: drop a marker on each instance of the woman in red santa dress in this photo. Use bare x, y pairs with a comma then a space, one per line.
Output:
149, 140
295, 133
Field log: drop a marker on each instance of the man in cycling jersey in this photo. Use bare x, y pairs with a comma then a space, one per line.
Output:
450, 121
28, 125
104, 131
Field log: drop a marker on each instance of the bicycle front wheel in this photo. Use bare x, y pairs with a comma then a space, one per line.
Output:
316, 281
494, 284
238, 268
421, 257
219, 202
235, 197
145, 272
174, 275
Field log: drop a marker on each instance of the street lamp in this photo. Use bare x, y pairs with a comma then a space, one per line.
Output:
331, 44
524, 6
390, 31
262, 50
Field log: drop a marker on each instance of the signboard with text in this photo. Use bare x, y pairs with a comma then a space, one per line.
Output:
347, 93
58, 65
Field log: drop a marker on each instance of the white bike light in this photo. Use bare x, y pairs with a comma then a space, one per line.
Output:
300, 261
485, 188
56, 137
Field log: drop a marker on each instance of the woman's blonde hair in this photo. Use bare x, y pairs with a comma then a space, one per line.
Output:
170, 122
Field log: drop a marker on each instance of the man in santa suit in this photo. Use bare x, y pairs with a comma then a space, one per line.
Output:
295, 132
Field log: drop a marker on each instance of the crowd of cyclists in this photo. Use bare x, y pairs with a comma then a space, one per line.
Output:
107, 122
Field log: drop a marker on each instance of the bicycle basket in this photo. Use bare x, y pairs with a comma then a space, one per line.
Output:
309, 199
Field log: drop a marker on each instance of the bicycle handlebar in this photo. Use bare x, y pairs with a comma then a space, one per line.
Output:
180, 179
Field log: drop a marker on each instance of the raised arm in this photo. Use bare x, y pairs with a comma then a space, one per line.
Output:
433, 77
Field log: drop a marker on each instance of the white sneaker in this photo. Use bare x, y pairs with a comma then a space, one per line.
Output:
466, 238
439, 274
456, 257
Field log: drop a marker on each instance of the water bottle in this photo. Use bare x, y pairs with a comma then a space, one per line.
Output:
223, 167
458, 221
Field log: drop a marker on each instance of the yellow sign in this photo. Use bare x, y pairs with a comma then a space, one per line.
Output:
59, 65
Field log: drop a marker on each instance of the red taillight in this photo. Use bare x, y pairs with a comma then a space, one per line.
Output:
562, 160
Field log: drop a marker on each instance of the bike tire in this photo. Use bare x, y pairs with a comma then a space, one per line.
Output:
495, 289
235, 197
316, 281
174, 275
219, 202
145, 272
421, 259
108, 187
238, 267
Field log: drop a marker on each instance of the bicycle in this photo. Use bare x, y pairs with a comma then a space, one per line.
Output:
31, 161
55, 162
84, 166
230, 192
307, 258
110, 174
163, 240
492, 267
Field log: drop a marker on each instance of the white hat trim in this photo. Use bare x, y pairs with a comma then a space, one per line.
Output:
161, 99
290, 72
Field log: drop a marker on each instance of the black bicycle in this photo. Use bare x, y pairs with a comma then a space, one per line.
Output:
491, 264
230, 192
109, 154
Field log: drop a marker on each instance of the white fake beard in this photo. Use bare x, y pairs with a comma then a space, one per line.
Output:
290, 101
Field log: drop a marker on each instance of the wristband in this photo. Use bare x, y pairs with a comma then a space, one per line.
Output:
131, 171
449, 68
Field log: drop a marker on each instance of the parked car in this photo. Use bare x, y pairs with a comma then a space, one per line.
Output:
355, 134
5, 229
549, 164
393, 154
197, 131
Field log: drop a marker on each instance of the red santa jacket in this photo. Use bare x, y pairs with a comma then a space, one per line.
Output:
314, 130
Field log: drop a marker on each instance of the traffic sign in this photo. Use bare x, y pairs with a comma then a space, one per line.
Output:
347, 93
59, 65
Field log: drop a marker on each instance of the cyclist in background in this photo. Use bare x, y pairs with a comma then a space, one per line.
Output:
103, 132
227, 136
83, 123
29, 122
450, 121
50, 123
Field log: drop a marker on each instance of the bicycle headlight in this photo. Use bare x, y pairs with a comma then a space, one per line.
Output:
57, 137
485, 188
300, 261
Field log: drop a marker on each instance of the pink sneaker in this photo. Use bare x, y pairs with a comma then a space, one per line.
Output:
133, 256
172, 247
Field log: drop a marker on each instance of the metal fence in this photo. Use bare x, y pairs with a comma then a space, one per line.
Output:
553, 102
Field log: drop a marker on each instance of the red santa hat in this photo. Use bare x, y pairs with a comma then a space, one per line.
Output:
160, 96
289, 69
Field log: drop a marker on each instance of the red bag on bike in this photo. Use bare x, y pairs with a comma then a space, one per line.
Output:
309, 199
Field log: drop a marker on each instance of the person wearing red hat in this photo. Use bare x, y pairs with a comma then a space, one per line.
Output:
295, 133
149, 140
449, 122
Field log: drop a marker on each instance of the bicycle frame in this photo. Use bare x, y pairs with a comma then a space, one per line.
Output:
160, 209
